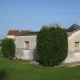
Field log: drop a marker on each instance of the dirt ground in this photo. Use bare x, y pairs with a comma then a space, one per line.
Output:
72, 64
35, 63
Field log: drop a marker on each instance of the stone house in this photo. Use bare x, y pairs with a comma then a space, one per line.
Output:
26, 45
73, 44
13, 33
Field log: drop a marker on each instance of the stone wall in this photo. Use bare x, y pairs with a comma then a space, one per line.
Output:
26, 54
72, 54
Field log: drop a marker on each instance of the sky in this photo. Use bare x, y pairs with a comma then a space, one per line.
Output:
33, 14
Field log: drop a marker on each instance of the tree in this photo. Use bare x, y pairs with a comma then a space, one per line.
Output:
8, 47
52, 45
0, 44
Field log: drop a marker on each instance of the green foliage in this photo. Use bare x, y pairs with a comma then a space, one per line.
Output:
0, 50
8, 47
52, 45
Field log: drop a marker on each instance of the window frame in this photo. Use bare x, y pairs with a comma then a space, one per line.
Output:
26, 45
76, 46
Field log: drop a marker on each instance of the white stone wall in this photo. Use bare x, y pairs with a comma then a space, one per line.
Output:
75, 37
19, 41
11, 36
72, 55
21, 52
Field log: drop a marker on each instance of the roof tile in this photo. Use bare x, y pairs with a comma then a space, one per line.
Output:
18, 32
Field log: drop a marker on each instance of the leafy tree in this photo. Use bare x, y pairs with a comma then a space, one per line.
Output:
52, 45
8, 47
0, 44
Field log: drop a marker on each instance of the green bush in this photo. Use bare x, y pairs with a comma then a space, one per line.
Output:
8, 47
52, 45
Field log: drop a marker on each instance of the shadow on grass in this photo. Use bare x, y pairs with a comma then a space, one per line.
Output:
2, 74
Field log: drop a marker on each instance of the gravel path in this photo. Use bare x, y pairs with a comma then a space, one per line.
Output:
72, 64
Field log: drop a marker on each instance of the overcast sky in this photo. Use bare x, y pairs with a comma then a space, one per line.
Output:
32, 14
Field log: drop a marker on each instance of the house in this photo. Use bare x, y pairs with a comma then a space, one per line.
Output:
12, 33
26, 45
73, 33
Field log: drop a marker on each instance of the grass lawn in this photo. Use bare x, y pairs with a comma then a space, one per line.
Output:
15, 70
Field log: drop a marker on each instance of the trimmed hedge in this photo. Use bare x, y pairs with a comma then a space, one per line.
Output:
8, 47
52, 45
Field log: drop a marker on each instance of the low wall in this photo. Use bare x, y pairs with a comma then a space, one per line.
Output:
26, 54
19, 53
72, 57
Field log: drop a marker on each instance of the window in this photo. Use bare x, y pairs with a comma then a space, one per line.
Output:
26, 44
76, 46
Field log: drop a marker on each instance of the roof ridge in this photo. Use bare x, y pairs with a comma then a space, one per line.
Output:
73, 27
17, 32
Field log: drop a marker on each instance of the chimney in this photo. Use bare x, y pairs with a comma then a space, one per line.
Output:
20, 30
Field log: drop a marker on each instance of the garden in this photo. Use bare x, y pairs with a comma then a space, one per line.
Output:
50, 57
16, 70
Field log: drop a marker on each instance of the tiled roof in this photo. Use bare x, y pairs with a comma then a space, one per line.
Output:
31, 33
18, 32
72, 28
